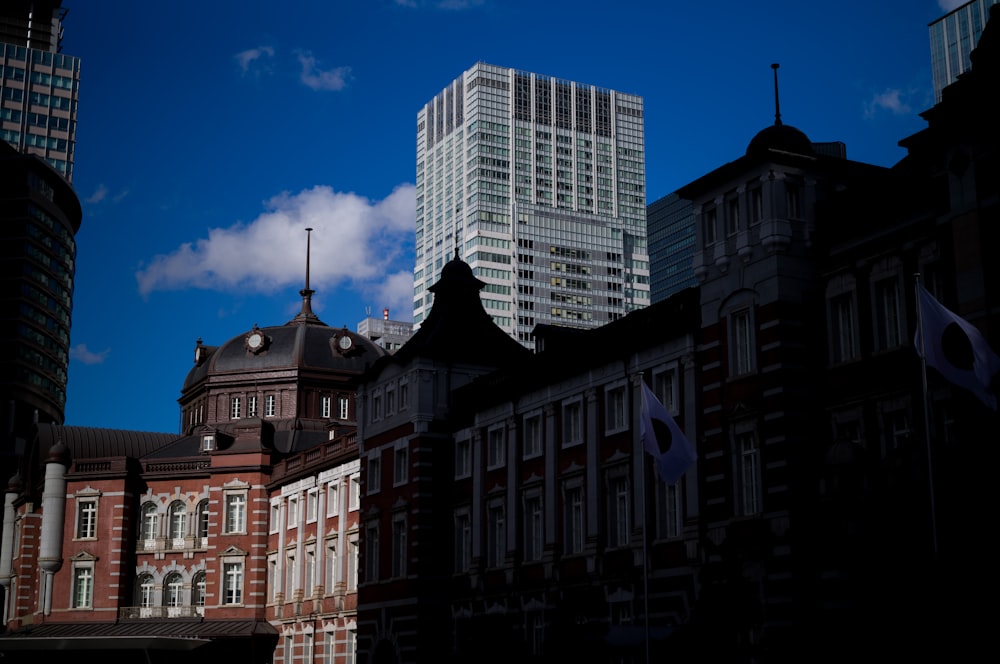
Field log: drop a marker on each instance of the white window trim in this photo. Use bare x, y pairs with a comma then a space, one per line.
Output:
498, 432
610, 390
564, 406
528, 417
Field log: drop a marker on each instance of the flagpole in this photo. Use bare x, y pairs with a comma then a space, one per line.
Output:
927, 419
645, 523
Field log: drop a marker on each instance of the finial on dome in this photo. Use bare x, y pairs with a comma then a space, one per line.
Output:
777, 107
307, 313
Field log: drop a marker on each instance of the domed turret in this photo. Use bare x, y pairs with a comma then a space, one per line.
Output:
779, 137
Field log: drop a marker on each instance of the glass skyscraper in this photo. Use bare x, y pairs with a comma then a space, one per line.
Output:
40, 85
953, 36
539, 185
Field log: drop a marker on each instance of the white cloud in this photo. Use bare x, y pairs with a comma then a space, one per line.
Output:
250, 56
395, 291
948, 5
890, 100
319, 79
81, 353
354, 241
98, 195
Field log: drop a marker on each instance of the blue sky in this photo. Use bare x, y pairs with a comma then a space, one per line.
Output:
212, 133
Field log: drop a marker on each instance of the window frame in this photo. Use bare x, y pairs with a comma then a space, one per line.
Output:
87, 512
82, 592
616, 407
742, 347
496, 447
749, 476
235, 503
571, 411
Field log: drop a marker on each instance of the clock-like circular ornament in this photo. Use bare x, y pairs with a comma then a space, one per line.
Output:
256, 340
345, 343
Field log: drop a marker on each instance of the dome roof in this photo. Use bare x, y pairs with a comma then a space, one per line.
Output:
295, 345
780, 137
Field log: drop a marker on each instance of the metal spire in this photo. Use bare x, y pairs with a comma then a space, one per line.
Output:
777, 106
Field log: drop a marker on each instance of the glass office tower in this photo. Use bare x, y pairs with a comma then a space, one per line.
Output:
953, 36
39, 86
539, 185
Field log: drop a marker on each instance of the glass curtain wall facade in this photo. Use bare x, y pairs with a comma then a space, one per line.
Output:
953, 37
39, 86
671, 246
539, 185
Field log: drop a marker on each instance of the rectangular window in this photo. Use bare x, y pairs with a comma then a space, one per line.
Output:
708, 226
614, 404
618, 512
843, 332
310, 572
496, 545
374, 477
354, 498
573, 516
572, 423
291, 573
756, 205
668, 511
888, 319
269, 405
312, 505
533, 537
401, 466
390, 401
331, 567
233, 583
399, 545
332, 499
732, 216
495, 440
235, 408
236, 512
665, 388
532, 436
324, 406
741, 343
463, 459
404, 395
252, 406
83, 587
86, 518
463, 541
792, 202
352, 564
293, 511
342, 407
371, 552
749, 468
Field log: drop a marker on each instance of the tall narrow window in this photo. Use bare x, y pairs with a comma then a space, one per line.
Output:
332, 571
843, 333
333, 499
235, 408
324, 406
203, 522
708, 226
178, 523
144, 592
354, 498
792, 200
573, 497
732, 216
312, 505
310, 571
233, 583
615, 408
236, 513
147, 528
252, 406
198, 589
741, 343
173, 587
342, 407
399, 545
83, 587
665, 388
352, 563
495, 445
371, 552
749, 468
533, 538
269, 405
572, 423
618, 512
463, 541
888, 319
374, 478
86, 518
496, 536
401, 466
532, 436
668, 509
463, 458
756, 205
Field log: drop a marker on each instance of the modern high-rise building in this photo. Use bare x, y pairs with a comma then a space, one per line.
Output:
953, 36
40, 85
670, 224
539, 184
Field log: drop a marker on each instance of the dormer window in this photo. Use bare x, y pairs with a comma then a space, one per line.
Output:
208, 443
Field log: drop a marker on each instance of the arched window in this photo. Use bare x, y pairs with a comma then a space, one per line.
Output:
203, 522
147, 525
198, 589
178, 522
144, 592
173, 588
